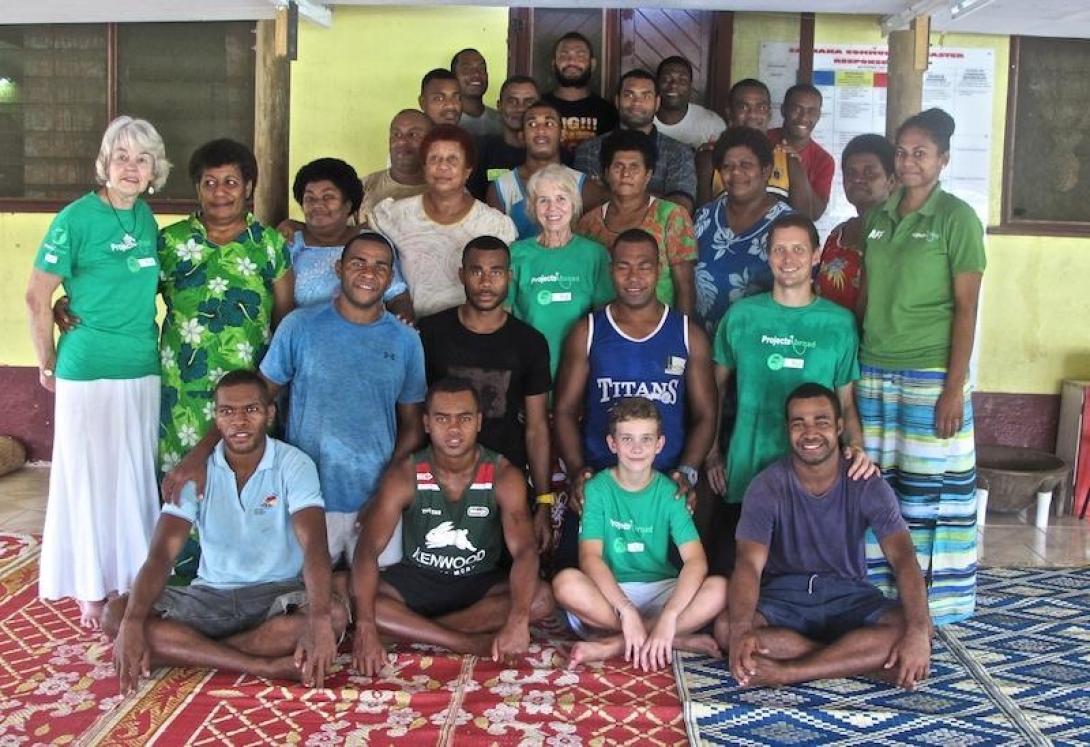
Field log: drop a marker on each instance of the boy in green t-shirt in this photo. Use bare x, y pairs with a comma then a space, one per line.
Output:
626, 597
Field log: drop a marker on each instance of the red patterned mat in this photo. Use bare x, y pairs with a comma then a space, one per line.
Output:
57, 687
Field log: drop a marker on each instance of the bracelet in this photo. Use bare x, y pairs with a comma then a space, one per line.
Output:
546, 499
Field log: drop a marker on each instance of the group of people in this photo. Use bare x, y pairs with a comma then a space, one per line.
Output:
559, 353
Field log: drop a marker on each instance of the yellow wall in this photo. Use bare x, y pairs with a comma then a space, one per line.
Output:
350, 80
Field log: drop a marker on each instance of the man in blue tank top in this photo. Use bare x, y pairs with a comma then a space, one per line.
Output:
634, 347
460, 505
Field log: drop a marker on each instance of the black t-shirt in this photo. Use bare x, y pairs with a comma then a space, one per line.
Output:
581, 120
506, 366
494, 156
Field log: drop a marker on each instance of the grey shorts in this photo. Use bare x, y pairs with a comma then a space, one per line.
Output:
648, 596
219, 613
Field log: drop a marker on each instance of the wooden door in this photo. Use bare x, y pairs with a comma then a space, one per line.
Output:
650, 35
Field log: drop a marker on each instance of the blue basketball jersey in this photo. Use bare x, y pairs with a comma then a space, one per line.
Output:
621, 366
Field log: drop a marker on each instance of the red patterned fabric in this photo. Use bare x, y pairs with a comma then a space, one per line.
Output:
57, 685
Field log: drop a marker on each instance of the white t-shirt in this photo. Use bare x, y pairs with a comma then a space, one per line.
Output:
430, 252
699, 125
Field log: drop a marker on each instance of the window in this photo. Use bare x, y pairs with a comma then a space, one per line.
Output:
1047, 161
61, 84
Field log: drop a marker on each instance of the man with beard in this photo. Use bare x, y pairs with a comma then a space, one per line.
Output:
634, 346
261, 602
674, 178
405, 177
461, 505
583, 113
441, 96
498, 153
681, 119
506, 360
471, 70
800, 605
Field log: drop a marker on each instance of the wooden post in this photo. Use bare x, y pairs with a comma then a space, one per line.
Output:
272, 105
907, 63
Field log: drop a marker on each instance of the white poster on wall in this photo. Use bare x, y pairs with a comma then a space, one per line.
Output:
852, 80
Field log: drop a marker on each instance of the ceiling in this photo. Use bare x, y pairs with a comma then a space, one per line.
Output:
1058, 18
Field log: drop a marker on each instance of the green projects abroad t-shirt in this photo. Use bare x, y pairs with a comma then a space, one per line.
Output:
551, 288
111, 282
772, 349
910, 265
636, 527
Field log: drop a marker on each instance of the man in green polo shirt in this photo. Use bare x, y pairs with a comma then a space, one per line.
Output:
773, 342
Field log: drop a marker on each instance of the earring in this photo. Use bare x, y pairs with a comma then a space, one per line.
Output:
151, 190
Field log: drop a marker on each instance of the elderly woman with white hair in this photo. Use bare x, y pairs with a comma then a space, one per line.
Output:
556, 277
103, 498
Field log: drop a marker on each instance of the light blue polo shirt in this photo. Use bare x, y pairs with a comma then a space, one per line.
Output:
249, 539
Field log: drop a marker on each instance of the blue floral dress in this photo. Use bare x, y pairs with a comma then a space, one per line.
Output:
729, 266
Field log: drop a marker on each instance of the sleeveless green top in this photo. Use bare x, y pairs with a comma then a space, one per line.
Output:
461, 537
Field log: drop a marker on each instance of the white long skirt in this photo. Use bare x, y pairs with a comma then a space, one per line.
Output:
103, 495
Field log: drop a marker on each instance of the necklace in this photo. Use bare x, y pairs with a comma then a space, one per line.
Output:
129, 233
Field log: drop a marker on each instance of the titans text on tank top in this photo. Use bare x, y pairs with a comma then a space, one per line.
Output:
622, 366
455, 538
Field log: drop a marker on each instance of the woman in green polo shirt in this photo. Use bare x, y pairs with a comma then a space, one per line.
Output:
103, 496
924, 261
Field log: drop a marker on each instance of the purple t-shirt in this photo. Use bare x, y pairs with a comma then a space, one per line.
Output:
816, 534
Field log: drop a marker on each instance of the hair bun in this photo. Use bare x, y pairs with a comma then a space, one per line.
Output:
938, 121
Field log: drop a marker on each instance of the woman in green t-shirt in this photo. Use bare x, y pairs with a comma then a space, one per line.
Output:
924, 261
103, 497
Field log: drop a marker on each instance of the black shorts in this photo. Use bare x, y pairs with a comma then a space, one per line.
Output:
821, 607
434, 594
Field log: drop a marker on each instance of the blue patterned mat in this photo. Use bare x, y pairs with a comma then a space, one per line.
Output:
1017, 673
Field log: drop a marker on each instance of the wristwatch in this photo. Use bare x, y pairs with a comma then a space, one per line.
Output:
689, 473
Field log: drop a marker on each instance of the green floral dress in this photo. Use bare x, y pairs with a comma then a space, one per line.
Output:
219, 302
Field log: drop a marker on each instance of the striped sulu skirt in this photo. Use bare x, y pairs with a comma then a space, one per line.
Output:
935, 481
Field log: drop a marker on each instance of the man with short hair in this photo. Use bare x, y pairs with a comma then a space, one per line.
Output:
634, 346
461, 505
405, 177
469, 66
357, 383
674, 178
810, 168
750, 105
441, 96
774, 342
541, 134
261, 603
626, 597
498, 153
677, 117
583, 113
506, 360
800, 605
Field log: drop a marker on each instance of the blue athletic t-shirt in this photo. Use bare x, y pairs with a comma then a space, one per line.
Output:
346, 382
622, 366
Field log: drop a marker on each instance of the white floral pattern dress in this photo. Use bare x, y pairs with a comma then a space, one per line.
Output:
219, 302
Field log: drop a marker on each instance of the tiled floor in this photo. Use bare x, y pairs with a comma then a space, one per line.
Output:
1006, 540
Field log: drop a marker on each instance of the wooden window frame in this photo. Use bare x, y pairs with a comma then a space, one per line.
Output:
158, 205
1009, 225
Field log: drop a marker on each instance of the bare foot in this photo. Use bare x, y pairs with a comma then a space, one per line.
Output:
280, 668
479, 645
770, 673
90, 614
587, 651
698, 644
